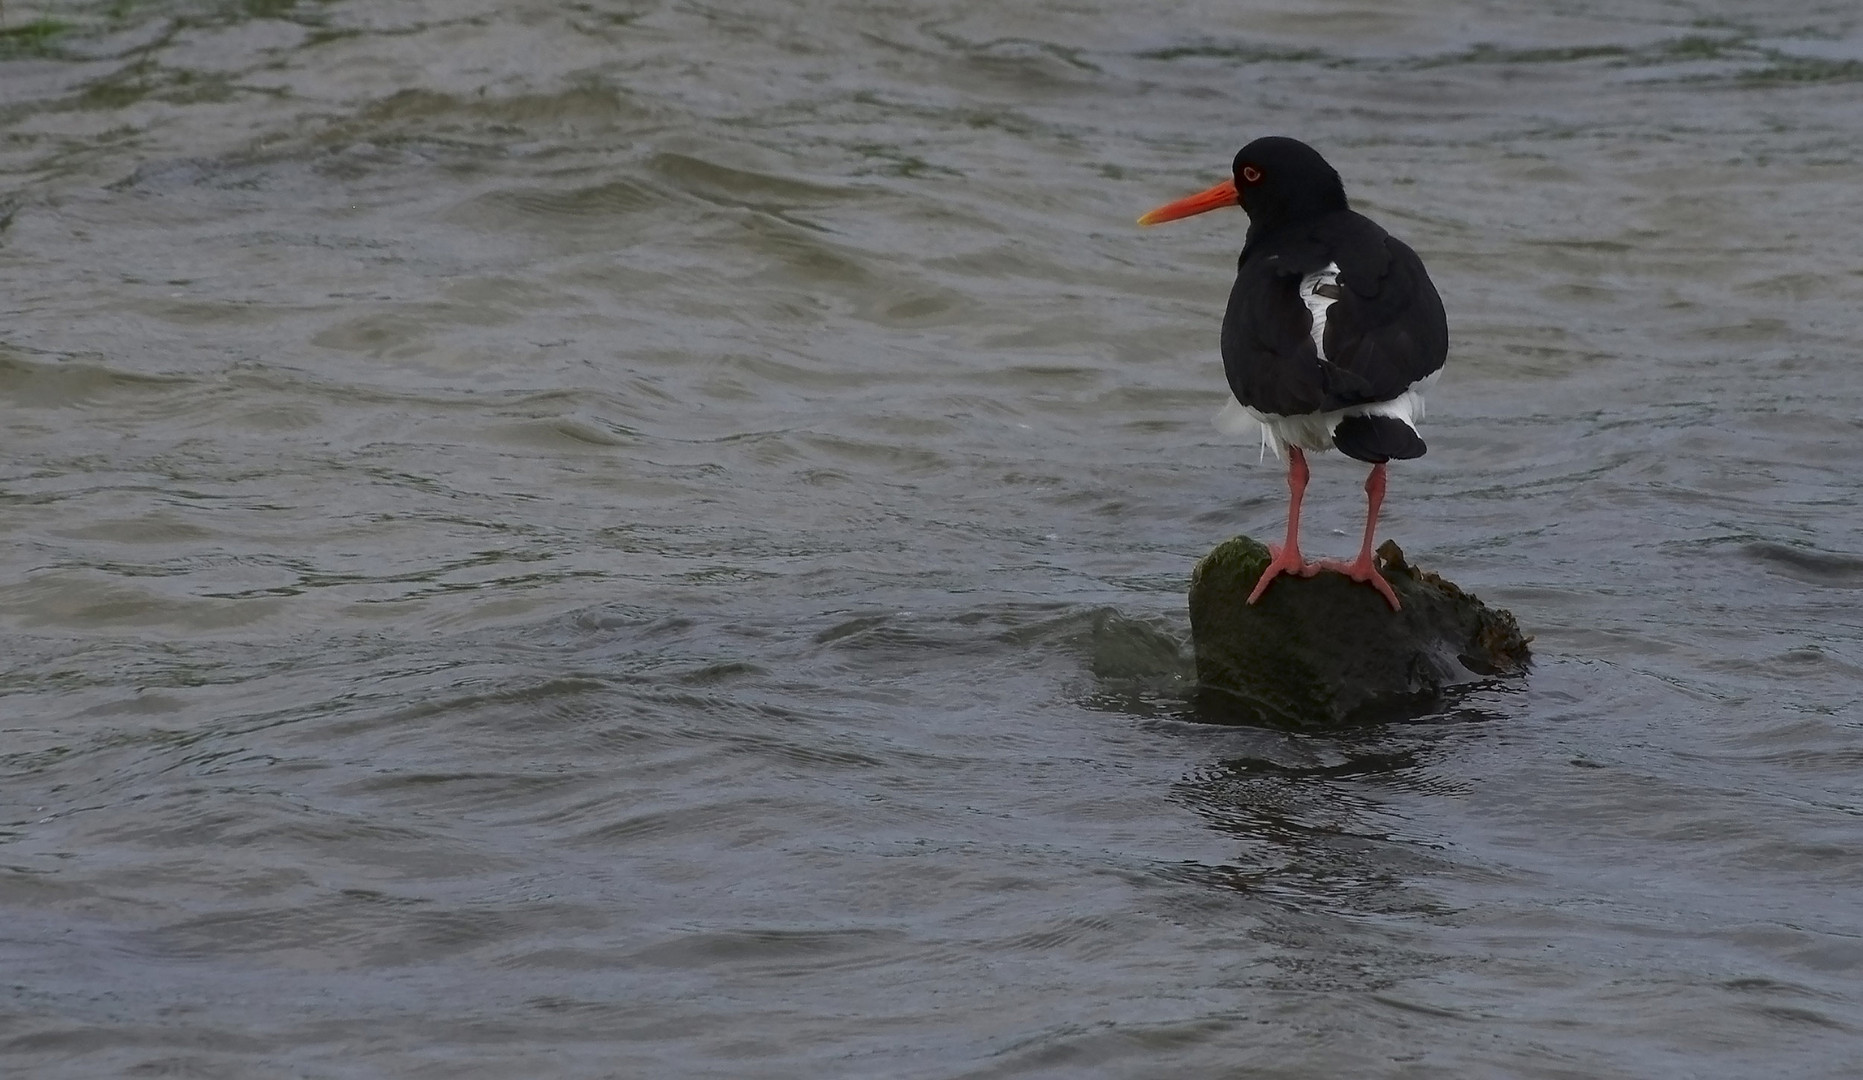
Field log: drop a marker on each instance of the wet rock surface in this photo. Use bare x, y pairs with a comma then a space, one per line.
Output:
1326, 651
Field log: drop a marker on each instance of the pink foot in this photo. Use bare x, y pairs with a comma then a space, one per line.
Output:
1282, 563
1361, 570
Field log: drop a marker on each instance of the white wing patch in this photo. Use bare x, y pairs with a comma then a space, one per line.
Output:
1319, 290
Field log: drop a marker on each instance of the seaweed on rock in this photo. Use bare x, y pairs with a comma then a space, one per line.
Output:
1325, 651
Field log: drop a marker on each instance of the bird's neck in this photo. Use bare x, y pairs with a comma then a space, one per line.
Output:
1270, 212
1263, 229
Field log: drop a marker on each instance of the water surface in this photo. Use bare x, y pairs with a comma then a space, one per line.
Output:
605, 539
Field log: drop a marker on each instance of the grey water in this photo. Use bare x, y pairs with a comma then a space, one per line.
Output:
648, 539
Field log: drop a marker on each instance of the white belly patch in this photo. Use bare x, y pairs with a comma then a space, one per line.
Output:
1314, 431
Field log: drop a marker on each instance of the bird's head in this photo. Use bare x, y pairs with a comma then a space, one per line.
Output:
1277, 180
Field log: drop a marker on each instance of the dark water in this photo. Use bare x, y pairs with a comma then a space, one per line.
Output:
603, 539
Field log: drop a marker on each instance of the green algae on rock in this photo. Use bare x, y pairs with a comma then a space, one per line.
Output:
1326, 651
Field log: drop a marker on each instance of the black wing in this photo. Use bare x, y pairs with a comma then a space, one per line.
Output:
1384, 333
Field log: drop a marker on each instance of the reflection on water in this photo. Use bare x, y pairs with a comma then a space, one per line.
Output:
1314, 833
650, 539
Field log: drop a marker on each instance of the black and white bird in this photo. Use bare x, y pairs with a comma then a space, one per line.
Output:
1333, 333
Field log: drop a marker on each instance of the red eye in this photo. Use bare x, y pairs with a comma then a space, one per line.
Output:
1251, 174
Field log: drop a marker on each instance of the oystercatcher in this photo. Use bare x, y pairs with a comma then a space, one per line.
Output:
1333, 333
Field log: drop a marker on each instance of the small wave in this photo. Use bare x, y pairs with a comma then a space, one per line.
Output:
1808, 564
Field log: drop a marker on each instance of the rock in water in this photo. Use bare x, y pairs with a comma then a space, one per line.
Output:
1325, 651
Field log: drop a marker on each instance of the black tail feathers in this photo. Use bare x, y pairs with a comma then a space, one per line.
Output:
1377, 439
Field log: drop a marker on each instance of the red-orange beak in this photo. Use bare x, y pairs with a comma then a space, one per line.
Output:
1223, 194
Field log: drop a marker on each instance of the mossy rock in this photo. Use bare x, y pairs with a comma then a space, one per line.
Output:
1327, 651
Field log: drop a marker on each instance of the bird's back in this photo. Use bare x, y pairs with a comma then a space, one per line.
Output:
1328, 314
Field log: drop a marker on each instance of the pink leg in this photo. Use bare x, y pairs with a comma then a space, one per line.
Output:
1287, 557
1362, 569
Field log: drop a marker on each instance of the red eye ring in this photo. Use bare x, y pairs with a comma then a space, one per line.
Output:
1251, 174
